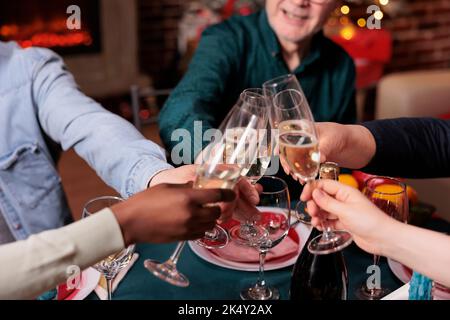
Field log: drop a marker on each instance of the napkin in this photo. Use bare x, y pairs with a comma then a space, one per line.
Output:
100, 290
399, 294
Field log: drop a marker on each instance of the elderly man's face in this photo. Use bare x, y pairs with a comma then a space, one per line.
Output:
296, 20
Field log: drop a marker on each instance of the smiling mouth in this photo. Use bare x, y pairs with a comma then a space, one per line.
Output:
293, 16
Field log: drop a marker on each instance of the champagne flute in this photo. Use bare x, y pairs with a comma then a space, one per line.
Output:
299, 150
111, 265
270, 89
213, 173
255, 102
390, 196
222, 163
242, 130
275, 211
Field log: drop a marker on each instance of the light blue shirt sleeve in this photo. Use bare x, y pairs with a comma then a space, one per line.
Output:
119, 154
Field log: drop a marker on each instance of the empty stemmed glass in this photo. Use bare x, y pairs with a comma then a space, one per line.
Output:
390, 196
275, 217
221, 165
111, 265
255, 102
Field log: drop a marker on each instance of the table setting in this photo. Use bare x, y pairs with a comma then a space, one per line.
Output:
251, 256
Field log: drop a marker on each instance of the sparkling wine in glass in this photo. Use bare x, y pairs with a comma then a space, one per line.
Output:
222, 163
299, 151
111, 265
390, 196
238, 150
271, 88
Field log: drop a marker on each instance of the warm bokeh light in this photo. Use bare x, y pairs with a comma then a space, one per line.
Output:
344, 20
345, 9
361, 22
378, 15
384, 2
347, 32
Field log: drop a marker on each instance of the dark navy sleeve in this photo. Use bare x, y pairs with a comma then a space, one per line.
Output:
410, 147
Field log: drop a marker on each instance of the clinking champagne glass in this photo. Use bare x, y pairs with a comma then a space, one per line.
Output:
299, 150
221, 166
111, 265
254, 101
241, 130
271, 88
390, 196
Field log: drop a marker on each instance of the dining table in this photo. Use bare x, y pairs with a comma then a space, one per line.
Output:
212, 282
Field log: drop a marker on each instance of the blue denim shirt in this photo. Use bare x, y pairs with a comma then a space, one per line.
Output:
38, 95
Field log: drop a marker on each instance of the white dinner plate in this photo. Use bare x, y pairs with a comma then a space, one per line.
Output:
302, 231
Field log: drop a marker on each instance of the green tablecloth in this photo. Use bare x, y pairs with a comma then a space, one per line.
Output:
211, 282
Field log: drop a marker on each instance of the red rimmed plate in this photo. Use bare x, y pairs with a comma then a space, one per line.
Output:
403, 273
88, 281
298, 234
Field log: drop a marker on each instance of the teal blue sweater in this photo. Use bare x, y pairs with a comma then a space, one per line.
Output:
243, 52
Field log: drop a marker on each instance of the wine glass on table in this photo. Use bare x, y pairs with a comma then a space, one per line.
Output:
222, 163
299, 150
390, 196
111, 265
275, 217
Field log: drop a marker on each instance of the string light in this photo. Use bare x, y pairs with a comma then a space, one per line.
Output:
345, 9
361, 22
378, 15
347, 32
344, 20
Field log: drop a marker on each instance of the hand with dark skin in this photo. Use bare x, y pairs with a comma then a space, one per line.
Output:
168, 213
244, 208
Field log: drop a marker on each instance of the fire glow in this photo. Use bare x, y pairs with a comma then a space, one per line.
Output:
50, 34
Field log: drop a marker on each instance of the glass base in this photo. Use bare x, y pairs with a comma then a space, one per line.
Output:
248, 235
214, 239
339, 240
260, 293
167, 271
364, 293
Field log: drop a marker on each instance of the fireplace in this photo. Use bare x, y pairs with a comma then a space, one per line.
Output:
102, 54
44, 24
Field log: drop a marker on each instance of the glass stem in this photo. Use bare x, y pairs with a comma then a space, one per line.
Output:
376, 261
327, 234
261, 283
109, 287
176, 254
246, 227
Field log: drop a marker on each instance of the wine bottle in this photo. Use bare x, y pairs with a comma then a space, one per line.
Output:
320, 277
